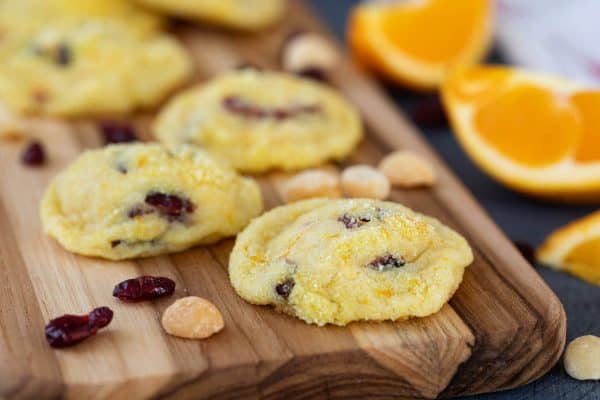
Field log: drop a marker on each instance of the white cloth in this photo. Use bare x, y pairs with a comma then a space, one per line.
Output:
556, 36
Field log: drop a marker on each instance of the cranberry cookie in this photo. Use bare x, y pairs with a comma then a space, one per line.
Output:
338, 261
237, 14
19, 17
136, 200
95, 66
262, 120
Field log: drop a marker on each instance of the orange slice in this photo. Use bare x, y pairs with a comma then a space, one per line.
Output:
416, 42
537, 134
575, 248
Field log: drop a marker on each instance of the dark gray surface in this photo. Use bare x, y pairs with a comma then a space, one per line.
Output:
522, 219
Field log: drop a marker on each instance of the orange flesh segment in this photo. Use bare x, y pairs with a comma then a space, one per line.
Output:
530, 125
448, 29
588, 105
584, 261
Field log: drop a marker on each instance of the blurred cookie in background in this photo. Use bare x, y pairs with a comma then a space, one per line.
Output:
237, 14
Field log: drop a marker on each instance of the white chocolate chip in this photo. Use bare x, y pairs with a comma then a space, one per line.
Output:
309, 50
582, 358
312, 183
406, 169
192, 318
363, 181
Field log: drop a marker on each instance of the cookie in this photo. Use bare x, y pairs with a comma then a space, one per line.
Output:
137, 200
25, 16
337, 261
237, 14
92, 67
261, 120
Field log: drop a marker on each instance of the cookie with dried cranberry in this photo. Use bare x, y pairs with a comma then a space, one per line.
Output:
136, 200
338, 261
95, 66
24, 16
261, 120
236, 14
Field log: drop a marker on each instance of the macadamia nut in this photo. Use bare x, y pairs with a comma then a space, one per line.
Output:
363, 181
582, 358
406, 169
192, 318
308, 51
312, 183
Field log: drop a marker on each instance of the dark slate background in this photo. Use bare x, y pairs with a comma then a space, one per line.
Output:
522, 219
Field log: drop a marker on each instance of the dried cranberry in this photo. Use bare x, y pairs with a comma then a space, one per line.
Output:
315, 74
429, 113
241, 107
115, 132
122, 169
284, 289
526, 251
63, 55
308, 109
33, 154
138, 210
100, 317
70, 329
237, 105
144, 288
352, 222
386, 262
170, 205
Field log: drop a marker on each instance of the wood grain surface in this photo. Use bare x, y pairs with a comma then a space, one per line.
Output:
503, 328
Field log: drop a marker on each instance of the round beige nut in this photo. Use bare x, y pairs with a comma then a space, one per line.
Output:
582, 358
363, 181
308, 50
312, 183
407, 169
192, 318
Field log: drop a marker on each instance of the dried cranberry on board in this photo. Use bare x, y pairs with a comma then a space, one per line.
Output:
316, 74
69, 329
526, 250
34, 154
429, 113
117, 132
144, 288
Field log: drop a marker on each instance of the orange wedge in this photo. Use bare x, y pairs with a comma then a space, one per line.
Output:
575, 248
416, 42
537, 134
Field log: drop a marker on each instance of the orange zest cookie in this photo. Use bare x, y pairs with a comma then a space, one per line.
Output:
536, 134
575, 249
416, 43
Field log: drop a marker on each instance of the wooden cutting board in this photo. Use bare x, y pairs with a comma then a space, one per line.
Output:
503, 328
